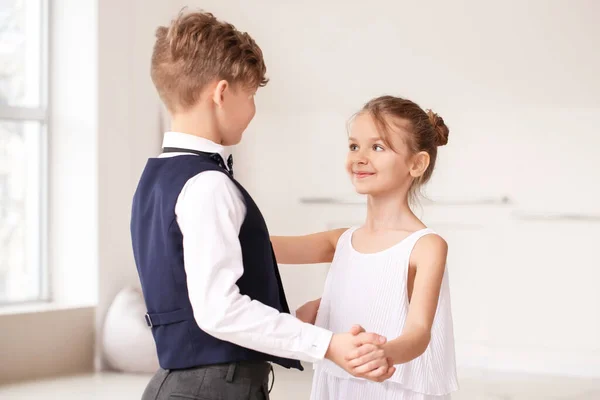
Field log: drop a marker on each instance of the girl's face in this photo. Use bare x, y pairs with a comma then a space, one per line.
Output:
374, 167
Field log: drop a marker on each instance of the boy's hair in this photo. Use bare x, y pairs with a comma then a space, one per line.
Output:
196, 49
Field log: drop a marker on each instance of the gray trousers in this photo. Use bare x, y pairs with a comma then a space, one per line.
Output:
236, 381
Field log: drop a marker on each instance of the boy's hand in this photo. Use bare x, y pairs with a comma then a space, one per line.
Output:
308, 312
345, 346
371, 362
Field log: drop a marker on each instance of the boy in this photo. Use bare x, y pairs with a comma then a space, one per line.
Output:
211, 285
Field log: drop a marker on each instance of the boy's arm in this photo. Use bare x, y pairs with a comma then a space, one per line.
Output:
210, 211
308, 249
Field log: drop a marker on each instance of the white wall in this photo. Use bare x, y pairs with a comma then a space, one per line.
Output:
517, 84
128, 131
73, 219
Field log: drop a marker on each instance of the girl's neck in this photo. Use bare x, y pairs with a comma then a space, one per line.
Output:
390, 211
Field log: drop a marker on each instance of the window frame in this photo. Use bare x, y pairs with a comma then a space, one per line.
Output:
39, 114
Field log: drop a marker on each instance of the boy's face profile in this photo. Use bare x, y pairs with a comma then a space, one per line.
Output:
234, 109
206, 73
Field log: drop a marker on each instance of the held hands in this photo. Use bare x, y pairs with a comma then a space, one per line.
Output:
360, 354
357, 352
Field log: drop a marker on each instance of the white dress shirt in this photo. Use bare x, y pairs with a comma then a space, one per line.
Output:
210, 211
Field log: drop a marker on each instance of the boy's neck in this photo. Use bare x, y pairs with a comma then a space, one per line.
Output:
196, 124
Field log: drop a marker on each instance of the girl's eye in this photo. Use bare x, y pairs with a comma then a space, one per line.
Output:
353, 147
378, 147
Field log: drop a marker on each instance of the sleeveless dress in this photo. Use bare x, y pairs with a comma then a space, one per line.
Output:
371, 290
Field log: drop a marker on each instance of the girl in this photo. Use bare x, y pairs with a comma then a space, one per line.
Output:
388, 275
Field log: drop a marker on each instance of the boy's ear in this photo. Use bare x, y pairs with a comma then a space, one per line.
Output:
219, 92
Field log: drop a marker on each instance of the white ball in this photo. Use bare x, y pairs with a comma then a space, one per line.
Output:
127, 341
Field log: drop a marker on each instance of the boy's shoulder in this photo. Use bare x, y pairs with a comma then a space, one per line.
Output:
179, 169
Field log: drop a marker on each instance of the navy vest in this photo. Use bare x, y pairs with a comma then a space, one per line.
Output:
158, 251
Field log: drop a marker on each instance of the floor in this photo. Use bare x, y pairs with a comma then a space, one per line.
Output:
292, 385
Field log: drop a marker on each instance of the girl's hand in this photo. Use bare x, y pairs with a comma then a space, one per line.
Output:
344, 345
371, 362
308, 312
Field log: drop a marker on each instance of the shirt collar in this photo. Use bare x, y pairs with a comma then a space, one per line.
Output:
187, 141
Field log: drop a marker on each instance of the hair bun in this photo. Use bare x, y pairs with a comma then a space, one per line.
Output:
440, 128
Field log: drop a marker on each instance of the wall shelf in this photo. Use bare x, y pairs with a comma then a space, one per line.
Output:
503, 201
552, 217
359, 201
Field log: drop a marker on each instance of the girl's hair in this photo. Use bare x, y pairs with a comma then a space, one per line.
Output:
426, 129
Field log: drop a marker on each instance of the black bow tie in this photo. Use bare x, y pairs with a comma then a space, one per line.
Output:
230, 164
214, 156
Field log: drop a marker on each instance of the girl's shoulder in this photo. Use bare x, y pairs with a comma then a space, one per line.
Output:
335, 236
429, 246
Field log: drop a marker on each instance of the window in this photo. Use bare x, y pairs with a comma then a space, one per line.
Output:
23, 143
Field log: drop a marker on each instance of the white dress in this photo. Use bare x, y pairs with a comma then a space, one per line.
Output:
371, 290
